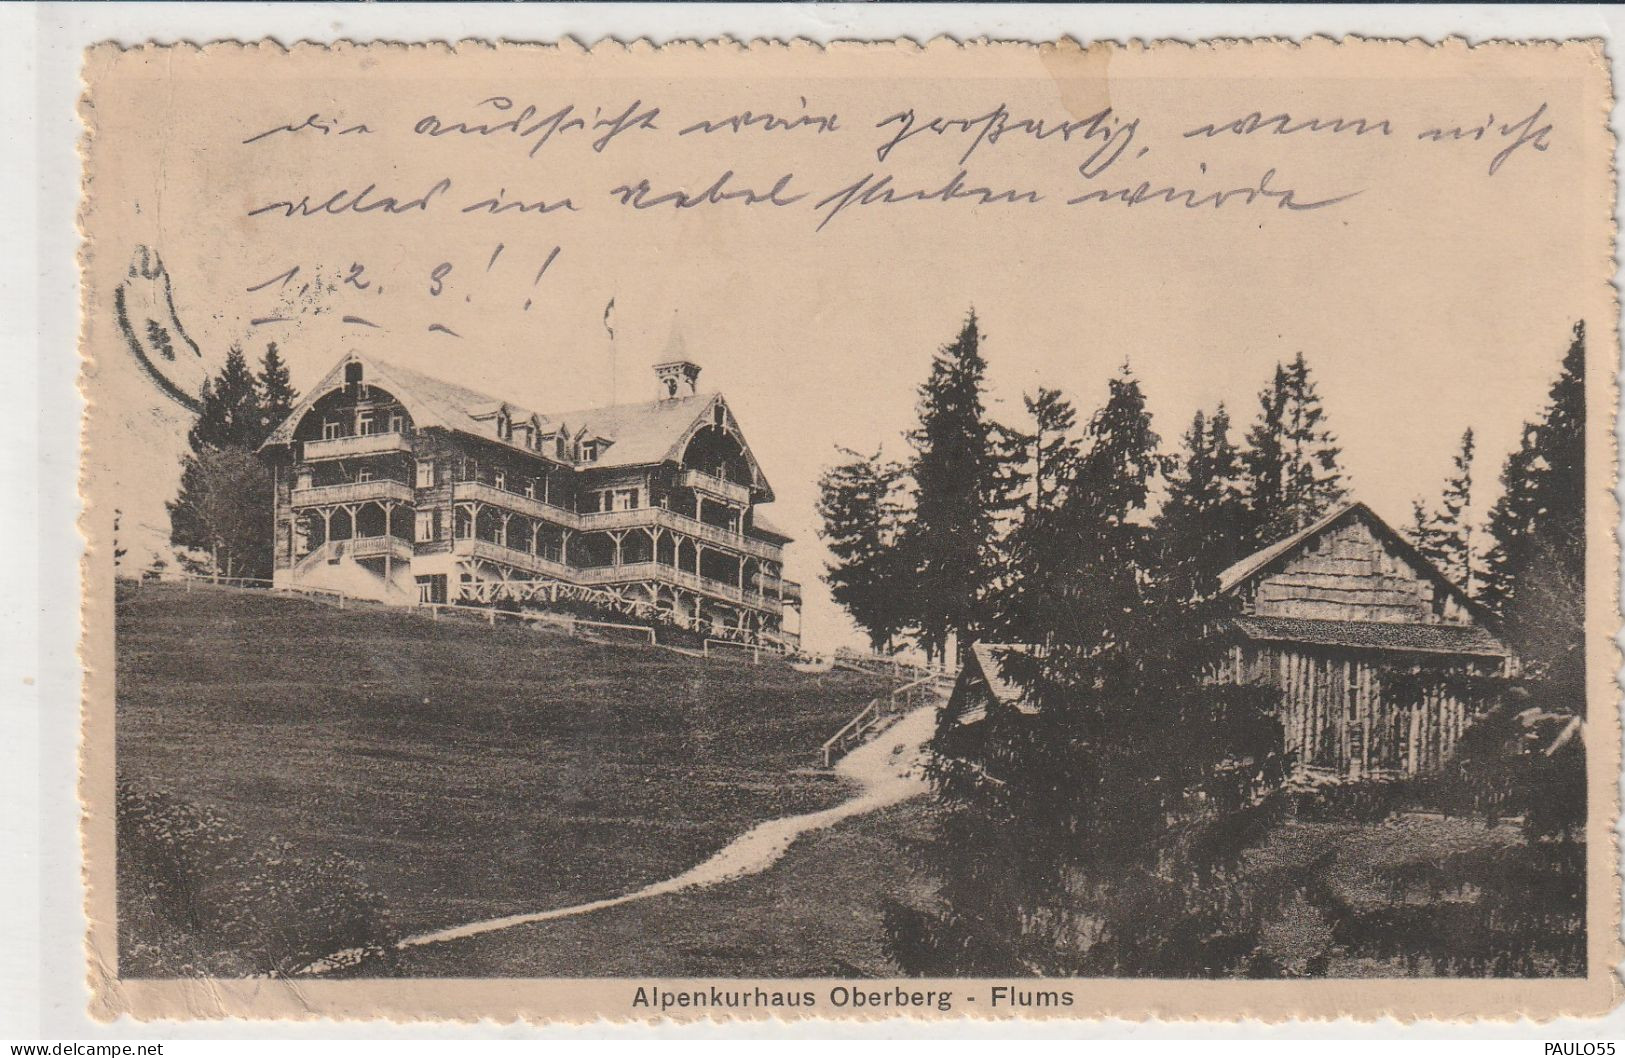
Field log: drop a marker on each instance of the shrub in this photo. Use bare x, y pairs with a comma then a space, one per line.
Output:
1351, 801
197, 898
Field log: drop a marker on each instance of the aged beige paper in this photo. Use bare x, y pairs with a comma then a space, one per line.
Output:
769, 531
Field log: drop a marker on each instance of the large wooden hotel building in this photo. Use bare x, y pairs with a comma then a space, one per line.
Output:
397, 486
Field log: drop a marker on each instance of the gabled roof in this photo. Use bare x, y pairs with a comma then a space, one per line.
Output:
1267, 559
987, 662
652, 432
639, 434
760, 525
432, 401
1246, 568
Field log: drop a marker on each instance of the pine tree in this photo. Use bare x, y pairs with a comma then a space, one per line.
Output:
1291, 456
860, 504
1422, 531
956, 473
1203, 524
276, 392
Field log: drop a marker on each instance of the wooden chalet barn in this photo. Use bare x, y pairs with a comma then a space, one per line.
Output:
1331, 616
1361, 634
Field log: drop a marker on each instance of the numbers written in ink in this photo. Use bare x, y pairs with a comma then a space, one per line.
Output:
504, 279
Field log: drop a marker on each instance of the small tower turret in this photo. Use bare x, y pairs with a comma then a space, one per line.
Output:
678, 378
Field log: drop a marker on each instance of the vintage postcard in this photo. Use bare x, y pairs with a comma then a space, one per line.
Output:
948, 530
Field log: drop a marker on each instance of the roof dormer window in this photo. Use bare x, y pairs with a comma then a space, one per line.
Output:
589, 451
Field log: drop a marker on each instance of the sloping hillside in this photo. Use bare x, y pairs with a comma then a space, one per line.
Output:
468, 771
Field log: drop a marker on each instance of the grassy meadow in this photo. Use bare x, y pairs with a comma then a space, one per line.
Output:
467, 771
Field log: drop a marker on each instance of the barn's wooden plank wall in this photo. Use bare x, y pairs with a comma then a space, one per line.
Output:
1336, 712
1335, 708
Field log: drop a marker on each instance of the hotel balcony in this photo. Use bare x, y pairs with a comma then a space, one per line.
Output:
604, 576
515, 557
650, 517
376, 547
779, 588
643, 571
379, 489
606, 521
371, 444
712, 485
480, 492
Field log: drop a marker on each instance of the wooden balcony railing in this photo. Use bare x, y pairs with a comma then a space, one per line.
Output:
376, 547
513, 556
598, 576
371, 444
353, 492
721, 488
605, 521
480, 492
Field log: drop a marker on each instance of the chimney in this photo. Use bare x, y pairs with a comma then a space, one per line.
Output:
678, 378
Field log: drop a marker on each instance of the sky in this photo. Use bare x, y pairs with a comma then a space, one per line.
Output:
1435, 297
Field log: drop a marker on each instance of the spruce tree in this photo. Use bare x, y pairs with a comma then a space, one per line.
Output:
231, 414
1445, 534
224, 504
956, 474
1291, 457
1087, 837
1044, 468
1316, 483
1203, 524
860, 503
1053, 453
1535, 570
276, 392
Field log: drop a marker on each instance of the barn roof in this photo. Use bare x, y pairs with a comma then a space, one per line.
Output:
639, 434
1255, 563
1375, 635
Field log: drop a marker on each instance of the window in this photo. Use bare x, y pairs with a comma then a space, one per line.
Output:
625, 500
719, 415
589, 452
428, 526
330, 430
560, 440
363, 424
364, 474
500, 480
530, 488
425, 473
397, 422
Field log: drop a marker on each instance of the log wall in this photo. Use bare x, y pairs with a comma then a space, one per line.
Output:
1336, 713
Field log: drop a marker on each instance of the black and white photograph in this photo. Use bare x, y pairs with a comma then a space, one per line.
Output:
756, 531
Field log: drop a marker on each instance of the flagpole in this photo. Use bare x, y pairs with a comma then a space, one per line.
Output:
613, 359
